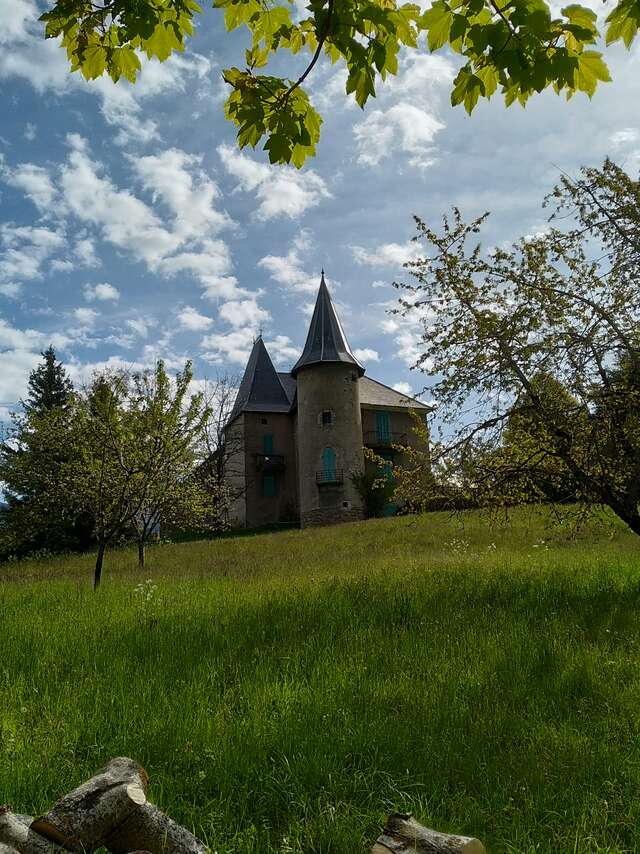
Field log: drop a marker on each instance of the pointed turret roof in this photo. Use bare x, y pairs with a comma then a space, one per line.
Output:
326, 341
261, 389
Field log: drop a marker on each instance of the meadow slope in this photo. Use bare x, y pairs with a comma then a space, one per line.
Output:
285, 691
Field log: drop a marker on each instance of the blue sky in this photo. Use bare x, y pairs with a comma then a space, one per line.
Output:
131, 227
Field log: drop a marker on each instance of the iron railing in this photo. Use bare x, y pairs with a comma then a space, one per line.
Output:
384, 439
330, 476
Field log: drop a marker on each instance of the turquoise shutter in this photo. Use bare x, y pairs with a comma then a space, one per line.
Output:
383, 427
329, 463
269, 486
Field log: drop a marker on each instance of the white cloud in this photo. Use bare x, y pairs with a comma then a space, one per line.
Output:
30, 131
280, 190
103, 291
404, 388
29, 339
85, 252
190, 318
407, 331
287, 269
234, 346
61, 265
366, 354
403, 127
407, 121
239, 313
123, 219
86, 317
139, 326
624, 136
282, 351
35, 183
184, 245
175, 178
386, 255
26, 54
11, 290
24, 249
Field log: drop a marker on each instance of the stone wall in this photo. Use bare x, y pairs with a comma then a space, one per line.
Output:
330, 516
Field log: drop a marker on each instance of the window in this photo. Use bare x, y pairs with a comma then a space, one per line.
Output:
267, 443
327, 418
269, 486
264, 421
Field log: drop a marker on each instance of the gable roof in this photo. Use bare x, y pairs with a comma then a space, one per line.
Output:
261, 389
374, 393
326, 341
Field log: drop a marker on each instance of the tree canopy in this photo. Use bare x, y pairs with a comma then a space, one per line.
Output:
536, 348
516, 47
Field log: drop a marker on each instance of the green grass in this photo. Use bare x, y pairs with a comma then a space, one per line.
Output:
286, 691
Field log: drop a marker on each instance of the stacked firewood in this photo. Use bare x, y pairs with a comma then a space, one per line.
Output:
111, 811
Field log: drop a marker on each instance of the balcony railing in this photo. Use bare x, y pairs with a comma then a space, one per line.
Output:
329, 476
384, 439
270, 462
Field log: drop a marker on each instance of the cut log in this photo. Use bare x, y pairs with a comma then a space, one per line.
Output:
149, 829
16, 834
403, 835
81, 820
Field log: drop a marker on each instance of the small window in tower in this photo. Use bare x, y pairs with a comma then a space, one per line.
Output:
267, 443
264, 421
327, 418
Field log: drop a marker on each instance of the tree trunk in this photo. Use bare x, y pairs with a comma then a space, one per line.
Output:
403, 835
83, 819
97, 576
17, 836
149, 829
141, 554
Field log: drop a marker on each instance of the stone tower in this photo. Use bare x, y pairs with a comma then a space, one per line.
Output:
329, 422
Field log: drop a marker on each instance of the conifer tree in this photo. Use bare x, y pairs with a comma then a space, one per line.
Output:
49, 385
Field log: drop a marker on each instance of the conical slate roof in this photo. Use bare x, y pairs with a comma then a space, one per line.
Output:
260, 389
326, 341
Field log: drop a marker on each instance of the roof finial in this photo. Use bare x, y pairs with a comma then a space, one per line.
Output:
322, 275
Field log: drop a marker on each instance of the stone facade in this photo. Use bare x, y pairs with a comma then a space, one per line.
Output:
300, 435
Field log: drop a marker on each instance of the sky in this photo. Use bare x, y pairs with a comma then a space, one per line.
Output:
133, 228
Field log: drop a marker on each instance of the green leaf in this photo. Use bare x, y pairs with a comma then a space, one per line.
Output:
624, 22
467, 89
126, 63
94, 62
581, 16
591, 69
437, 21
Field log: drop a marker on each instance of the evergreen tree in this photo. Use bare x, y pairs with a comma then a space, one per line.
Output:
35, 450
49, 385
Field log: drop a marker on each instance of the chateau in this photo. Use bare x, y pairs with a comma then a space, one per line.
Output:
294, 439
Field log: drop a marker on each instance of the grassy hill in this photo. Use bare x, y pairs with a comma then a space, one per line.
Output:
286, 691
